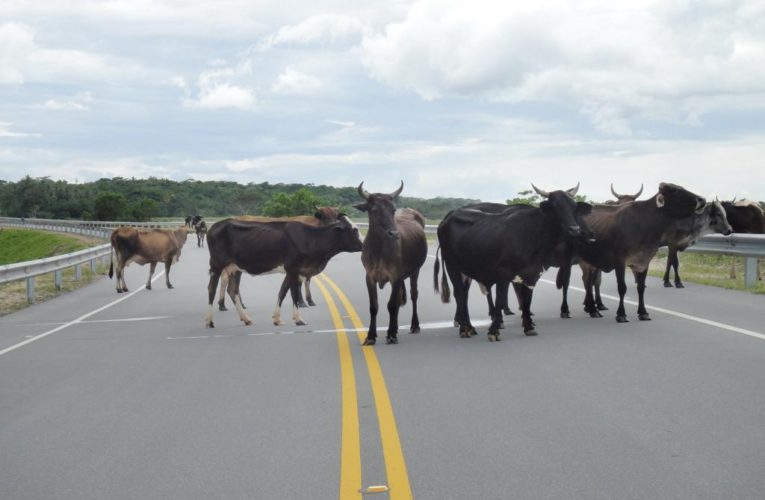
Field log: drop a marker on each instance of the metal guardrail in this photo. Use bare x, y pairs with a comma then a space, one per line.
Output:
749, 246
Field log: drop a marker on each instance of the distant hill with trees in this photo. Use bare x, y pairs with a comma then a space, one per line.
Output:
143, 199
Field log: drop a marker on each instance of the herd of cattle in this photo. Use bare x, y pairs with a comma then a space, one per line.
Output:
493, 244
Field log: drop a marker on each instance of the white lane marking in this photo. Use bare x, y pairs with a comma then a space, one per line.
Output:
435, 325
78, 320
689, 317
704, 321
119, 320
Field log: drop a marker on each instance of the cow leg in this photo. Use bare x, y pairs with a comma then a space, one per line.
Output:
300, 302
598, 279
496, 312
211, 287
167, 274
667, 283
307, 286
233, 291
492, 306
562, 280
621, 315
414, 293
640, 280
373, 306
222, 297
676, 266
461, 297
394, 303
527, 293
506, 306
121, 285
457, 317
152, 267
277, 319
590, 306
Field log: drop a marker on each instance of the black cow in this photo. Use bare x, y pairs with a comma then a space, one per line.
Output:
201, 229
630, 235
497, 248
260, 247
686, 232
394, 249
744, 217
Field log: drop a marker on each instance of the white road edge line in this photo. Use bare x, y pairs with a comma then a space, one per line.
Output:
78, 320
689, 317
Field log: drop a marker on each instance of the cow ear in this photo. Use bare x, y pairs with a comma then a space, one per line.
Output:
659, 200
318, 215
546, 206
583, 208
363, 207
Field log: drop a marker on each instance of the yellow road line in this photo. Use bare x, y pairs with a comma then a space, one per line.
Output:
350, 447
395, 465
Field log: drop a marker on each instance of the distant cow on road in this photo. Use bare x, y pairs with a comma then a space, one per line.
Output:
145, 246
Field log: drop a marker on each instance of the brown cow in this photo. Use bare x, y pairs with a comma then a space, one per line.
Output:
145, 245
394, 249
745, 216
323, 216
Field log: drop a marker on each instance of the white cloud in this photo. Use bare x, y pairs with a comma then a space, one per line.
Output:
5, 131
23, 60
80, 102
219, 88
324, 29
292, 81
614, 62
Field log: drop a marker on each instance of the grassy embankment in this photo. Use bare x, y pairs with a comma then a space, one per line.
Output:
18, 245
706, 269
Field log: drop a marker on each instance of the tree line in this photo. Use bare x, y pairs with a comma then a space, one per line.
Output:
120, 198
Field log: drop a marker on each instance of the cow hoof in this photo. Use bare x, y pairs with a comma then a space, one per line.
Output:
667, 284
278, 323
302, 304
530, 333
565, 315
300, 323
369, 341
210, 324
119, 290
464, 334
601, 307
595, 314
248, 322
311, 303
415, 329
622, 319
473, 332
644, 317
391, 340
148, 287
493, 337
508, 312
679, 285
169, 286
221, 307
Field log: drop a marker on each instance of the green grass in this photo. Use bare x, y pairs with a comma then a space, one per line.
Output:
707, 269
18, 245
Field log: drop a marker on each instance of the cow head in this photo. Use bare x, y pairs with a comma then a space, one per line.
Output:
625, 198
567, 211
327, 215
718, 219
347, 234
381, 210
678, 200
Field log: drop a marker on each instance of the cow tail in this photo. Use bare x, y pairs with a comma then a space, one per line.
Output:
435, 272
111, 263
445, 290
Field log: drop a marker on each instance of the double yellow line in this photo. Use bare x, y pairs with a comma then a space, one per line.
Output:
350, 452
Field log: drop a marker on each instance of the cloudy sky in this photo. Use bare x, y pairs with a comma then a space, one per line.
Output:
458, 98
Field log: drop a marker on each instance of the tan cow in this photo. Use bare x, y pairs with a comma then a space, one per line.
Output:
146, 246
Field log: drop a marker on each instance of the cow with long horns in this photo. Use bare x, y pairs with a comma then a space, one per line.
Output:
394, 250
499, 248
621, 199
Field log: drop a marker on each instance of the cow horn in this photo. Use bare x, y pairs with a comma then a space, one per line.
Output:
363, 192
397, 192
572, 192
616, 195
540, 192
639, 192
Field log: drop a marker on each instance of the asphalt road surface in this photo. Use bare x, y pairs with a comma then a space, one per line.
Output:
128, 396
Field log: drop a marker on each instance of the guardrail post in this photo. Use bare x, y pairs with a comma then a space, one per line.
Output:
93, 266
31, 290
750, 271
57, 279
77, 272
